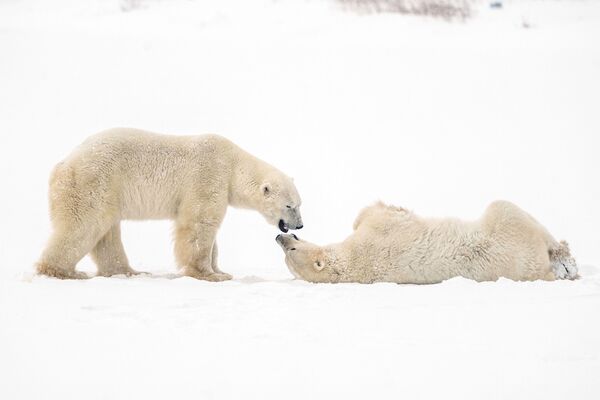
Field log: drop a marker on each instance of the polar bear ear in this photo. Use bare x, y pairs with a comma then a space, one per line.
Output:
265, 189
318, 265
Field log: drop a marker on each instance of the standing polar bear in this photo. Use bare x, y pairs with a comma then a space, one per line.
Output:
391, 244
131, 174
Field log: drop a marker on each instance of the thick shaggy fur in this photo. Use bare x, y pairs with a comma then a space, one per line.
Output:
130, 174
391, 244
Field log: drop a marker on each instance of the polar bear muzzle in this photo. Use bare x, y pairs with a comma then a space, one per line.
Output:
291, 220
285, 227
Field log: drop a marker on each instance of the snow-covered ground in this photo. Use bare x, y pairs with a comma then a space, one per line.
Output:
440, 117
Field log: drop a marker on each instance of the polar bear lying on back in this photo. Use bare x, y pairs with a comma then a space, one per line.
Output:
391, 244
131, 174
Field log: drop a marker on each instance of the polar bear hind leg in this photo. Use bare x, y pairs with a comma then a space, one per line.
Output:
562, 264
65, 249
536, 253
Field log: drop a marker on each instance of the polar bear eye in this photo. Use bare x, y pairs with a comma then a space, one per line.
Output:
289, 206
293, 248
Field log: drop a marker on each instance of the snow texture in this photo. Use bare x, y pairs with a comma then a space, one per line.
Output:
439, 116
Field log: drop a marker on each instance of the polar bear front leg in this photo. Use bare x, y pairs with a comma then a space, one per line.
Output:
214, 259
193, 250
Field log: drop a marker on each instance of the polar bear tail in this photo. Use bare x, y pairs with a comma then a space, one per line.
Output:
563, 264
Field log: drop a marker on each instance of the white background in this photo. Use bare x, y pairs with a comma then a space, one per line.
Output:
435, 116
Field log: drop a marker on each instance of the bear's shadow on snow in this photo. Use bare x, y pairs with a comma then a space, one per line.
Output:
248, 279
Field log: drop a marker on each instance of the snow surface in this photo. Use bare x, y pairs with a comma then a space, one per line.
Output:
435, 116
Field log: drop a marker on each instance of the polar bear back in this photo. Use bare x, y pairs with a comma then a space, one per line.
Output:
143, 173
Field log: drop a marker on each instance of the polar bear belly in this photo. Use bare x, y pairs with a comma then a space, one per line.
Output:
143, 200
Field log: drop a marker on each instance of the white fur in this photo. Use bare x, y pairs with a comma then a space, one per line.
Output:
124, 174
391, 244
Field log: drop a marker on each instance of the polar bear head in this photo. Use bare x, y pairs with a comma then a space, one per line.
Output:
308, 261
280, 202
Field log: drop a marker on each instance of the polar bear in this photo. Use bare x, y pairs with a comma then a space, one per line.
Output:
127, 173
391, 244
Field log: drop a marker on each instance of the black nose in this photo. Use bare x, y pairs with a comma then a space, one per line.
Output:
299, 226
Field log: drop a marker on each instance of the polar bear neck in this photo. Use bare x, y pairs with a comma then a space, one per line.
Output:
338, 263
357, 259
248, 173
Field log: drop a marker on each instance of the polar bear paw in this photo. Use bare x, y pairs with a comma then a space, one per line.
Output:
211, 277
563, 264
565, 268
60, 273
218, 277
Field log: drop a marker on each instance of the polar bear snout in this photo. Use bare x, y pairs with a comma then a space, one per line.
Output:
306, 260
286, 241
285, 227
282, 241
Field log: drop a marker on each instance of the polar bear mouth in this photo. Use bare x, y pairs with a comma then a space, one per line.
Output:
283, 227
